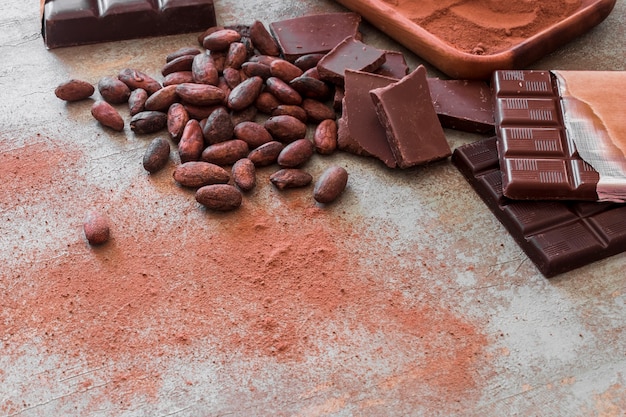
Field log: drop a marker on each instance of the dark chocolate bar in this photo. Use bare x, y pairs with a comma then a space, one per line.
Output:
78, 22
538, 158
557, 236
351, 54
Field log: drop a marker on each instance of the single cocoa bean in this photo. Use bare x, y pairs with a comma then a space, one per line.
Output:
191, 142
221, 39
219, 127
246, 115
266, 154
225, 153
148, 122
203, 69
266, 102
312, 73
237, 55
317, 111
162, 100
223, 85
252, 133
207, 32
74, 90
308, 61
195, 174
107, 115
291, 110
263, 59
310, 87
113, 90
178, 77
200, 112
244, 174
137, 101
96, 228
182, 63
282, 91
296, 153
219, 60
284, 70
330, 184
200, 94
177, 118
232, 77
285, 128
290, 178
256, 69
137, 79
185, 50
262, 40
245, 94
325, 137
157, 154
220, 197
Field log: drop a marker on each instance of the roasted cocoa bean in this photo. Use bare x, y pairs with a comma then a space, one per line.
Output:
177, 118
296, 153
137, 79
221, 39
237, 55
195, 174
157, 154
200, 112
203, 69
232, 77
283, 92
325, 137
148, 122
137, 101
162, 100
284, 70
266, 102
308, 61
182, 63
290, 110
317, 111
107, 115
256, 69
330, 185
252, 133
113, 90
313, 73
262, 40
285, 128
74, 90
96, 228
246, 115
263, 59
218, 127
243, 174
178, 77
266, 154
310, 87
200, 94
185, 50
245, 94
191, 142
207, 32
290, 178
219, 197
225, 153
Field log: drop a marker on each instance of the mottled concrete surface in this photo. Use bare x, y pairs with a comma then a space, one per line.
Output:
405, 297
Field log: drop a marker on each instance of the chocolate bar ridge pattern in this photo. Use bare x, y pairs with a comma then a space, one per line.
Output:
557, 236
78, 22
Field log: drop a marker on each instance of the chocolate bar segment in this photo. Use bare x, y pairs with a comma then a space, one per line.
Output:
351, 54
78, 22
557, 236
537, 157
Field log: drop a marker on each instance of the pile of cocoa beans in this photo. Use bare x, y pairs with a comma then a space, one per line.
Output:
230, 105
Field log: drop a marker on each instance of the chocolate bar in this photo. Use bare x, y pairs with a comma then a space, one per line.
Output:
78, 22
539, 137
557, 236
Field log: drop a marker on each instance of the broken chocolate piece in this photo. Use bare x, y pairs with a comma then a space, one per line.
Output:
413, 130
395, 65
349, 54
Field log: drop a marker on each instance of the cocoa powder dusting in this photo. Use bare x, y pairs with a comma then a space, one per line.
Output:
277, 281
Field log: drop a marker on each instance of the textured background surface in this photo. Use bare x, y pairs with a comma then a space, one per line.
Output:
406, 297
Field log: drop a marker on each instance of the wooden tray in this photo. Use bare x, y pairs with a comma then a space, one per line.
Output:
465, 65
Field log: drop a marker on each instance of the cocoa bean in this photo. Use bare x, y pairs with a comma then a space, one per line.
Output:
225, 153
157, 154
96, 228
148, 122
308, 61
113, 90
252, 133
325, 137
203, 69
311, 88
256, 69
262, 40
195, 174
295, 154
245, 94
237, 55
246, 115
185, 50
191, 142
182, 63
330, 185
200, 112
219, 60
312, 73
282, 91
162, 100
178, 77
219, 127
317, 111
244, 174
263, 59
266, 154
107, 115
221, 39
177, 118
220, 197
137, 101
232, 77
223, 85
284, 70
200, 94
266, 102
137, 79
285, 128
207, 32
290, 178
74, 90
290, 110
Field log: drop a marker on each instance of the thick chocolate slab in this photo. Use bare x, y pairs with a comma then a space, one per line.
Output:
78, 22
538, 159
352, 54
557, 236
406, 111
314, 34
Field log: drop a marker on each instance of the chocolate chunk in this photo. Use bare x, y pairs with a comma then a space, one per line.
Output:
463, 105
557, 236
314, 34
395, 65
413, 130
68, 23
352, 54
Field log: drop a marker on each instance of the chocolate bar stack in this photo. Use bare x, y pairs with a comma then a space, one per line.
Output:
535, 177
